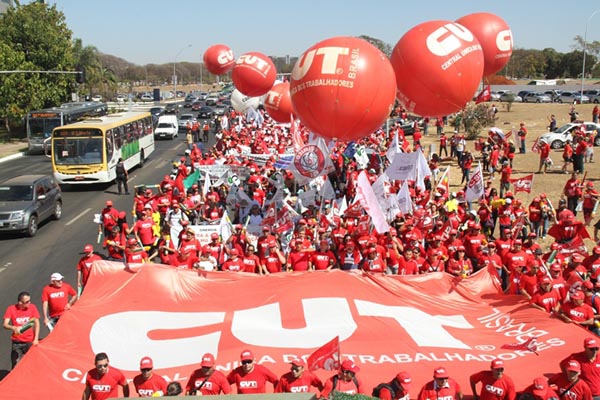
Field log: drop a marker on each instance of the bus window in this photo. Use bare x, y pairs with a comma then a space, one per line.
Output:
109, 145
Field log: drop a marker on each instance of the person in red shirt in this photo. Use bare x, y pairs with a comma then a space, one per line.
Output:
134, 253
148, 384
544, 149
109, 217
250, 377
298, 380
397, 388
459, 265
145, 231
522, 133
345, 381
572, 191
547, 298
441, 387
299, 257
251, 261
184, 259
23, 320
207, 379
589, 361
274, 260
84, 266
102, 382
55, 299
372, 262
323, 259
590, 199
579, 155
568, 385
234, 263
540, 390
576, 311
495, 385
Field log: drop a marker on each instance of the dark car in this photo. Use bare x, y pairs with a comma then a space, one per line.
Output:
197, 105
206, 112
189, 101
26, 201
172, 108
221, 109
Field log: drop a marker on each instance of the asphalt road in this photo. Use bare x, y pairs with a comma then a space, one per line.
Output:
27, 263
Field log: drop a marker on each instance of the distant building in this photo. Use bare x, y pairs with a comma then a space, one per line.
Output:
4, 4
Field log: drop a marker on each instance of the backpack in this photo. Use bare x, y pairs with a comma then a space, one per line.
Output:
378, 388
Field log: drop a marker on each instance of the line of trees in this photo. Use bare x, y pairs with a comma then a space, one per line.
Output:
36, 37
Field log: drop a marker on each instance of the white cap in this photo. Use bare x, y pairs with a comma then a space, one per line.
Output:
56, 277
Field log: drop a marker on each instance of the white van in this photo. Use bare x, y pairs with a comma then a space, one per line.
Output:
166, 127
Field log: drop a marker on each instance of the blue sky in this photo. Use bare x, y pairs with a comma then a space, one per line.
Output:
152, 31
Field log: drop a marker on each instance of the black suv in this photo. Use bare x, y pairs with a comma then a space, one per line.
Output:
26, 201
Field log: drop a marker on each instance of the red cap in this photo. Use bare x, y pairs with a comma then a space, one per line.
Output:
440, 372
298, 362
146, 362
540, 387
247, 355
88, 248
497, 364
546, 279
576, 257
348, 365
109, 203
590, 342
214, 235
577, 295
518, 241
208, 360
573, 366
234, 252
405, 380
555, 267
596, 250
588, 285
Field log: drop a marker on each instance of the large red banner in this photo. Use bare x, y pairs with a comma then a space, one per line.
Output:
385, 324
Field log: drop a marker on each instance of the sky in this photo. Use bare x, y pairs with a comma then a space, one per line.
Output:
158, 32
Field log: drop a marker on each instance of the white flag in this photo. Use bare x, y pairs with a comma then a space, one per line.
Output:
403, 167
361, 157
404, 201
225, 228
206, 186
394, 148
422, 170
475, 185
327, 191
368, 200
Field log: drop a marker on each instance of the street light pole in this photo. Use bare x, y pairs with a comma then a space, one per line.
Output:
175, 73
584, 50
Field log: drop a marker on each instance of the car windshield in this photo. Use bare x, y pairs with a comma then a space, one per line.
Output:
165, 125
16, 193
563, 129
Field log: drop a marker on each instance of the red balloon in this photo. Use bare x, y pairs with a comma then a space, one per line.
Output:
495, 38
438, 66
343, 88
218, 59
278, 102
253, 74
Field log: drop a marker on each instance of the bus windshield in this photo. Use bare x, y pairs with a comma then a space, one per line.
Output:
42, 127
75, 151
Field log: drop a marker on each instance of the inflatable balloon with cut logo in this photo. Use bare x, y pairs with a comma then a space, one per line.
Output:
495, 38
218, 59
253, 74
438, 66
278, 102
343, 88
240, 102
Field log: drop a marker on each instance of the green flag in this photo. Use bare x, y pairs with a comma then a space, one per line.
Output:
191, 179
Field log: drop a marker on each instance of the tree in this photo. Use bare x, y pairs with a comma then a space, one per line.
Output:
385, 48
34, 37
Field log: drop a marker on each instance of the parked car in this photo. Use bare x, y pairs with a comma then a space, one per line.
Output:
536, 97
172, 108
593, 94
522, 93
96, 97
554, 94
184, 119
28, 200
206, 112
573, 97
559, 136
121, 98
510, 96
147, 97
495, 96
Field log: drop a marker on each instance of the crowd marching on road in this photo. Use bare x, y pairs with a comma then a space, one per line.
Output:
278, 222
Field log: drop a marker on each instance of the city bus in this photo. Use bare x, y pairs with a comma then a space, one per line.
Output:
87, 152
39, 124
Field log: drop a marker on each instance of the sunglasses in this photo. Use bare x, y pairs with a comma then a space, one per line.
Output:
296, 369
26, 302
146, 369
246, 362
102, 366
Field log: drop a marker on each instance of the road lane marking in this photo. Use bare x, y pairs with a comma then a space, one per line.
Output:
81, 214
2, 269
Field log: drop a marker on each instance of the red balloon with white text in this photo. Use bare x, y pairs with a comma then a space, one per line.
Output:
438, 66
278, 102
218, 59
343, 88
495, 38
253, 74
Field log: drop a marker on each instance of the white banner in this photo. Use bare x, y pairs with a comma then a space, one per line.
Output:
403, 167
475, 189
368, 200
404, 201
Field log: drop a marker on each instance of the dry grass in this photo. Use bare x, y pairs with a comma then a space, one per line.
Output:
535, 117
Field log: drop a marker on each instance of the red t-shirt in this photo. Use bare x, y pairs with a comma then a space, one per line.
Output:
147, 388
251, 263
19, 317
547, 300
254, 381
290, 384
105, 386
143, 228
580, 391
85, 266
178, 261
57, 298
590, 370
298, 260
322, 260
580, 313
215, 385
449, 391
492, 388
236, 265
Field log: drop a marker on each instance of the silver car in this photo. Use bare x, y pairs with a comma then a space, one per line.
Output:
28, 200
573, 97
510, 96
536, 97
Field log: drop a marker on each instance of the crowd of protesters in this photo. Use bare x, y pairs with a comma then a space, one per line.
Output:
443, 233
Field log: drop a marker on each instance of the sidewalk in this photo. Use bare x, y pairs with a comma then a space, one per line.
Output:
12, 150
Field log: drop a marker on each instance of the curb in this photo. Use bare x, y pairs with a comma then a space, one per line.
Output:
12, 157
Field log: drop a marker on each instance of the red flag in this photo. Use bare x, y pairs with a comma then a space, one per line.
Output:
485, 95
523, 184
326, 357
530, 344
